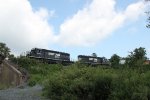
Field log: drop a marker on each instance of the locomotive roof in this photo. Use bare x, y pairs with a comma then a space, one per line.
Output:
51, 51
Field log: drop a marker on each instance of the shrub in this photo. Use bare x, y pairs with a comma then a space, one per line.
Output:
83, 83
3, 86
96, 83
32, 82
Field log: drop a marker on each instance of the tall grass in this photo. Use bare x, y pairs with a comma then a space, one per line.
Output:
88, 83
3, 86
81, 82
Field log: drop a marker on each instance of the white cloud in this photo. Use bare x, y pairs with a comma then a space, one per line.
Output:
96, 22
133, 11
21, 28
45, 14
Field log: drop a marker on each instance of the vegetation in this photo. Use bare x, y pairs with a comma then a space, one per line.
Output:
3, 86
80, 82
148, 25
4, 50
114, 60
136, 57
37, 70
90, 83
148, 13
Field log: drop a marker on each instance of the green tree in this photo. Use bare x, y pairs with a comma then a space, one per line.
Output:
11, 57
148, 25
114, 60
4, 50
148, 13
136, 57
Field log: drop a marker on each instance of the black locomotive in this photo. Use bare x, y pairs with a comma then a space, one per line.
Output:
92, 60
49, 56
53, 57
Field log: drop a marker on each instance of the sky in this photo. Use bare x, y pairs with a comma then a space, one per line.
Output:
78, 27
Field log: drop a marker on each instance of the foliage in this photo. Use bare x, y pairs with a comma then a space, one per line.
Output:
84, 83
25, 62
90, 83
148, 25
81, 82
35, 78
3, 86
4, 50
38, 73
11, 57
114, 60
136, 57
148, 13
37, 70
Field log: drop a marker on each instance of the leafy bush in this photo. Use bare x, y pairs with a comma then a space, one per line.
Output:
3, 86
37, 70
25, 62
96, 83
83, 83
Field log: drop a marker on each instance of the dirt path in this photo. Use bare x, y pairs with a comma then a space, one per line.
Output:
22, 93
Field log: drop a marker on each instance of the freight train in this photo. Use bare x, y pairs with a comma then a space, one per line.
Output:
52, 57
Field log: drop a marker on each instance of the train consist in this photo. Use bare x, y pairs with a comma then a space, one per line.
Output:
52, 57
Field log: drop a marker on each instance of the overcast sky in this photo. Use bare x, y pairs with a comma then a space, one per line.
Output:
105, 27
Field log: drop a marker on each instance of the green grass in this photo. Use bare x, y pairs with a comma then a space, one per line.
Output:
81, 82
3, 86
96, 83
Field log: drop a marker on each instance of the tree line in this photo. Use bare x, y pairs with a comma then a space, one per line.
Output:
137, 57
148, 13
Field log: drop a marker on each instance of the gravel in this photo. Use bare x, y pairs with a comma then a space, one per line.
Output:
23, 92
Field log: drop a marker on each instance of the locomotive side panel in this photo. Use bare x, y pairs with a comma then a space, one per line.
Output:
91, 60
49, 56
83, 59
65, 57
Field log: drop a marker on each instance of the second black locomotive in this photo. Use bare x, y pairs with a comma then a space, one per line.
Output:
93, 60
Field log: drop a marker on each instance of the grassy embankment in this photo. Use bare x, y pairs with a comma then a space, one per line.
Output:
81, 82
3, 86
